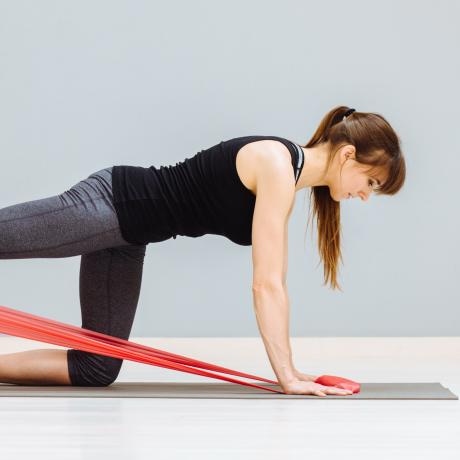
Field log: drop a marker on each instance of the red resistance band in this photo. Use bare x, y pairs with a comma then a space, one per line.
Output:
26, 325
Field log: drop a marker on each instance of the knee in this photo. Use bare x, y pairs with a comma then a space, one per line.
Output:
91, 369
130, 252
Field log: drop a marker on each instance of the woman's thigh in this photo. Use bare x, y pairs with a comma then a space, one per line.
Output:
78, 221
110, 284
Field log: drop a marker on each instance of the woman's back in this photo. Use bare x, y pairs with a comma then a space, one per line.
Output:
200, 195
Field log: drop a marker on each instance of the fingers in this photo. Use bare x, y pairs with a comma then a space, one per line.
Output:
333, 391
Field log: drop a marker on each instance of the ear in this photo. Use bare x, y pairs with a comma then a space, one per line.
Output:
348, 152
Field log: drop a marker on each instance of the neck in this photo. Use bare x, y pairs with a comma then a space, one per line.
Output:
315, 160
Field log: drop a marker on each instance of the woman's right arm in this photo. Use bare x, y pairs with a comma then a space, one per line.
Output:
271, 307
275, 195
274, 202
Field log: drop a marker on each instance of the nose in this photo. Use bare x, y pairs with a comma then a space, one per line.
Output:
364, 196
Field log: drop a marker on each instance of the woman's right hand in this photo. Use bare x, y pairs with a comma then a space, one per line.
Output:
301, 387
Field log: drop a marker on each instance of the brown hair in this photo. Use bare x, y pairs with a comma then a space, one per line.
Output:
377, 145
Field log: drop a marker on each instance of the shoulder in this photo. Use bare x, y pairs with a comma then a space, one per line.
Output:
273, 149
274, 159
274, 187
263, 157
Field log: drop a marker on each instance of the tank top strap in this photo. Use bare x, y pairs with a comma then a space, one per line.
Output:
300, 160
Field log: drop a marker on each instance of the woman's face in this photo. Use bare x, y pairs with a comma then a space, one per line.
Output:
351, 179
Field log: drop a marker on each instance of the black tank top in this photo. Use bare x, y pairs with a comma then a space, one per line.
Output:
200, 195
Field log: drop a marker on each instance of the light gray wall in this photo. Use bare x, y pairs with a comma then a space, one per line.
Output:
90, 84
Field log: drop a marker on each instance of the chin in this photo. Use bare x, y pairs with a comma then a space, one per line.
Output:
334, 197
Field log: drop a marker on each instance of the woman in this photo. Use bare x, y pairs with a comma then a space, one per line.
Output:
243, 189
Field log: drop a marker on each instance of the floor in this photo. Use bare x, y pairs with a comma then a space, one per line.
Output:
87, 428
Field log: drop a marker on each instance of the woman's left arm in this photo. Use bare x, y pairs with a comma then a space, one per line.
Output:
299, 375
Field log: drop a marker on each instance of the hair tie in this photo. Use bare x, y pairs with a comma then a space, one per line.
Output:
348, 112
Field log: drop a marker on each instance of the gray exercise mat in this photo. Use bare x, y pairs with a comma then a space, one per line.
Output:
206, 390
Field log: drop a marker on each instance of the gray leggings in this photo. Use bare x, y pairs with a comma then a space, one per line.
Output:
82, 221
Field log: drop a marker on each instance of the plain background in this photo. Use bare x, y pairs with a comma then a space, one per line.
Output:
90, 84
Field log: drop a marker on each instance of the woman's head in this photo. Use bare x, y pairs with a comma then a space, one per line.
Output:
349, 178
364, 157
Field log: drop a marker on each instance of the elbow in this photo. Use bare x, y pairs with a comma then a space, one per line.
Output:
268, 286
